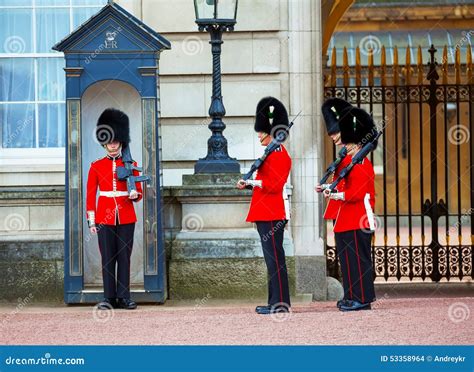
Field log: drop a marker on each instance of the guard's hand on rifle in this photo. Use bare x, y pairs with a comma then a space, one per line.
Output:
326, 193
249, 184
93, 230
241, 184
133, 195
334, 195
321, 188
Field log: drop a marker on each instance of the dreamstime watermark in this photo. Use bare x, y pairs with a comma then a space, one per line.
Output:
370, 223
47, 360
14, 44
458, 312
380, 301
274, 229
22, 303
15, 222
103, 133
459, 223
459, 134
201, 302
466, 39
193, 222
109, 216
280, 131
103, 312
22, 124
369, 137
281, 312
192, 45
370, 44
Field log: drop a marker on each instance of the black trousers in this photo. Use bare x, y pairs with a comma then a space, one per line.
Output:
354, 252
115, 245
271, 236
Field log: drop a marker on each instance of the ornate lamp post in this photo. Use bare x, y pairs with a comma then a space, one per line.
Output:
216, 17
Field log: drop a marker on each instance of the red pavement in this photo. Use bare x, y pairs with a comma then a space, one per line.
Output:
444, 320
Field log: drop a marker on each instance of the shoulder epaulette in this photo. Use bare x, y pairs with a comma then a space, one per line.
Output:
98, 159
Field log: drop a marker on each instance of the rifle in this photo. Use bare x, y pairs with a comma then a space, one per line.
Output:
272, 146
126, 173
356, 159
332, 167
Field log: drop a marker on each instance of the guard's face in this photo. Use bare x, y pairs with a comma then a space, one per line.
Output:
336, 138
113, 147
264, 138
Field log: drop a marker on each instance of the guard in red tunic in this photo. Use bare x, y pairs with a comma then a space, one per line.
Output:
355, 223
331, 111
267, 208
113, 217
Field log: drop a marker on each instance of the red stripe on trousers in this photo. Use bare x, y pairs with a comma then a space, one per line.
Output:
278, 265
360, 272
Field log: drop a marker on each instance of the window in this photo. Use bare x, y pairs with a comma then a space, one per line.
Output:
32, 80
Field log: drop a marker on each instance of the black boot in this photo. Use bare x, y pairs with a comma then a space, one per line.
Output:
261, 307
107, 304
342, 302
126, 303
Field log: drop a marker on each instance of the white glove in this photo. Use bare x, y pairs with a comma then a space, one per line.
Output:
254, 183
337, 196
333, 195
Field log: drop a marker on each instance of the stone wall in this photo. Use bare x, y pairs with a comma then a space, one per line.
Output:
32, 260
31, 243
274, 50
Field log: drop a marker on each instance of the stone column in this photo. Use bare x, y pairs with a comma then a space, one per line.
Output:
306, 83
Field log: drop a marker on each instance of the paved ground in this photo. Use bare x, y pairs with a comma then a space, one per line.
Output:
446, 319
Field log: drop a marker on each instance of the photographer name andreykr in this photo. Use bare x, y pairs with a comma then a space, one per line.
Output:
449, 359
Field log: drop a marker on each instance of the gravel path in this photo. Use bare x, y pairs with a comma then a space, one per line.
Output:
393, 321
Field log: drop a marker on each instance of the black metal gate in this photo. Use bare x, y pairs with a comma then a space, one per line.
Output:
424, 163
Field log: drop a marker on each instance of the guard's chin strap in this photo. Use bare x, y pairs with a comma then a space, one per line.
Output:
263, 137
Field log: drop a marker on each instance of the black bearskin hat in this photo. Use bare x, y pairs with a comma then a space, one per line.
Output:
332, 110
271, 114
357, 127
113, 125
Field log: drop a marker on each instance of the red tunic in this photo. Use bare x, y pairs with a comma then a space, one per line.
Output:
356, 210
267, 202
102, 176
332, 207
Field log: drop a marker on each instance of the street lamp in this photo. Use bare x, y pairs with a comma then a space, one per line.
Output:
216, 17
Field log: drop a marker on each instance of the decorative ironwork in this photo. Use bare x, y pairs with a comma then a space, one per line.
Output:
426, 187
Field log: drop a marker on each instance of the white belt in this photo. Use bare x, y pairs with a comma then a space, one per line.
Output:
113, 194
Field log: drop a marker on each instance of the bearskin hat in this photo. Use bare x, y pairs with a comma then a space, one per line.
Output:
357, 127
332, 110
113, 125
271, 114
